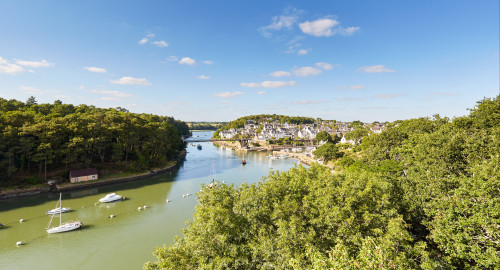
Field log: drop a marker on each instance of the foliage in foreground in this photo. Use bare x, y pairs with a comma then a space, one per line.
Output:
425, 194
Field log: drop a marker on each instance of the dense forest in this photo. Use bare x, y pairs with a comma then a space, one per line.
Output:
40, 139
262, 118
205, 125
424, 194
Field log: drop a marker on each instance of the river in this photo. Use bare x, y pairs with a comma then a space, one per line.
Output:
128, 240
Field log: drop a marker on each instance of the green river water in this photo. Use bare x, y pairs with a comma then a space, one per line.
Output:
128, 240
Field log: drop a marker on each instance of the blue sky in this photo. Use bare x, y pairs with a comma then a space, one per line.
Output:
220, 60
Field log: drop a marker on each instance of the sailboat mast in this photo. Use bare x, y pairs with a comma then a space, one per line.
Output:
60, 209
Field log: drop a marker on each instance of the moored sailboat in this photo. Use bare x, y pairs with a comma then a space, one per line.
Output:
63, 227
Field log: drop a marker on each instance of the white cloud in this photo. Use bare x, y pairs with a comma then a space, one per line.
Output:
302, 52
269, 84
9, 68
347, 31
228, 94
280, 73
261, 93
111, 92
306, 71
33, 64
172, 58
326, 27
143, 41
203, 77
31, 90
387, 96
285, 21
319, 28
324, 66
375, 69
150, 35
355, 87
161, 43
131, 80
350, 99
226, 101
109, 99
306, 102
208, 62
95, 69
187, 61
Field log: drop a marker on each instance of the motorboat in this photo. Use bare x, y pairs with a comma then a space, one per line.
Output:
198, 146
111, 197
63, 227
58, 210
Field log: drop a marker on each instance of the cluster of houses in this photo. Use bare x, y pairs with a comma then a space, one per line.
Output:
275, 130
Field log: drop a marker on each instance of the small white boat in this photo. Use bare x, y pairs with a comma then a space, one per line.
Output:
58, 210
111, 197
63, 227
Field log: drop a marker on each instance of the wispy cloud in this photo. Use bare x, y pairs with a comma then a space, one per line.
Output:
306, 71
114, 93
269, 84
375, 69
326, 27
388, 96
172, 58
261, 92
143, 41
131, 81
350, 99
187, 61
284, 21
33, 64
225, 101
228, 94
95, 69
9, 68
354, 87
307, 102
208, 62
35, 91
324, 66
203, 77
280, 73
302, 52
160, 43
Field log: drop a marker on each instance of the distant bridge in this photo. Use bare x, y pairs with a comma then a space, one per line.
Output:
243, 142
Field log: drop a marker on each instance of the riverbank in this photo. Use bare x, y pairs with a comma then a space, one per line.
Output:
16, 193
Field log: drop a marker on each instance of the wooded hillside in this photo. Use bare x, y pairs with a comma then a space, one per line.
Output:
35, 138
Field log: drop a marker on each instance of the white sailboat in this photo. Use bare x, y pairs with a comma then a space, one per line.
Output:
63, 227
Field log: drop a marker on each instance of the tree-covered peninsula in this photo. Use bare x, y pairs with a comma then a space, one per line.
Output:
423, 194
49, 139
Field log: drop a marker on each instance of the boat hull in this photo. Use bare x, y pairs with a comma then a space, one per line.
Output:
66, 227
111, 199
58, 210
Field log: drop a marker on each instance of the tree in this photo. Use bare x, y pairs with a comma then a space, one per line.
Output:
31, 101
328, 151
323, 136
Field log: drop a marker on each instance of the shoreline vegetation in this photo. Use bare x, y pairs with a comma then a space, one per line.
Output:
44, 142
423, 194
107, 180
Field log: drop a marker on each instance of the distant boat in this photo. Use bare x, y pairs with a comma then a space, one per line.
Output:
58, 210
198, 146
63, 227
243, 161
111, 197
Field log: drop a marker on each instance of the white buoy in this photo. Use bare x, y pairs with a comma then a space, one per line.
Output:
111, 216
145, 206
167, 200
139, 208
18, 243
21, 220
183, 196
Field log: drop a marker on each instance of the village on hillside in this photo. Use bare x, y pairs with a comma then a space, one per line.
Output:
270, 131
